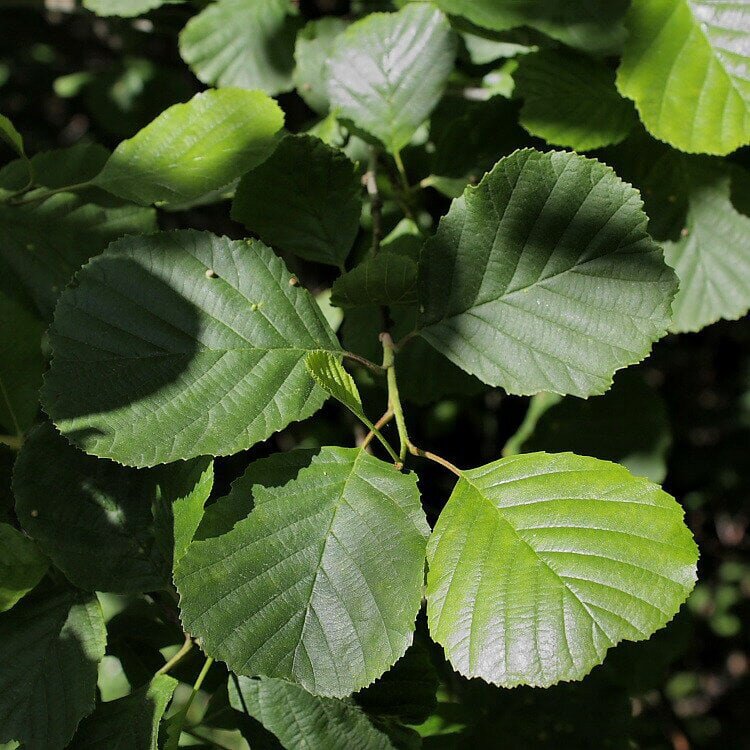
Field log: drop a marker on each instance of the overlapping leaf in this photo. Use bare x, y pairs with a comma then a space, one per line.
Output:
107, 527
50, 645
540, 563
22, 566
321, 583
685, 66
542, 278
388, 71
181, 344
388, 278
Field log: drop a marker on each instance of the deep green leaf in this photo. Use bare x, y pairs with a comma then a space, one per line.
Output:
685, 67
245, 44
50, 645
304, 199
318, 722
321, 583
539, 564
107, 527
594, 26
125, 8
517, 285
129, 723
181, 344
571, 100
313, 48
388, 71
194, 148
388, 278
22, 566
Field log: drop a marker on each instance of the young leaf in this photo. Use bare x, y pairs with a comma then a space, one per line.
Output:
388, 278
194, 148
213, 364
328, 372
388, 71
593, 26
50, 645
321, 583
304, 199
312, 50
517, 285
11, 136
22, 566
245, 44
125, 8
318, 722
571, 100
540, 563
133, 521
127, 723
685, 67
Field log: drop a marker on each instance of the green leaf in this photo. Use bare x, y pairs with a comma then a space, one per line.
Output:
517, 284
540, 563
328, 372
685, 67
571, 100
388, 71
50, 645
129, 723
387, 278
135, 520
318, 722
193, 148
213, 365
11, 136
593, 26
312, 50
245, 44
21, 366
125, 8
304, 199
22, 566
321, 583
639, 442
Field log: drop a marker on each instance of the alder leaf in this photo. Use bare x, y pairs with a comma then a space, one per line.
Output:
388, 278
50, 645
571, 100
517, 285
388, 71
193, 148
540, 563
321, 583
312, 50
181, 344
304, 199
22, 566
594, 26
245, 44
328, 372
685, 66
125, 8
128, 723
318, 722
107, 527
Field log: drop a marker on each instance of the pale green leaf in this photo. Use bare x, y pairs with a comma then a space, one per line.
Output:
304, 199
328, 372
594, 26
21, 366
182, 344
106, 526
129, 723
243, 43
540, 563
125, 8
22, 566
388, 278
318, 722
685, 66
571, 100
388, 71
193, 148
311, 53
517, 285
321, 583
50, 645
